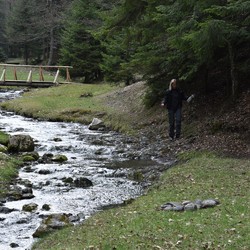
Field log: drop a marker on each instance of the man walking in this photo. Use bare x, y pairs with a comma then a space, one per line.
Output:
173, 102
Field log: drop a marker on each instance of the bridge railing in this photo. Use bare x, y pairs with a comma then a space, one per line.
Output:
31, 68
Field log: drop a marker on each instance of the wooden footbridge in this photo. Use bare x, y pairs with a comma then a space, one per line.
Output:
12, 78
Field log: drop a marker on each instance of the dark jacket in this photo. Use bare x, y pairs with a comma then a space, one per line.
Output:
174, 97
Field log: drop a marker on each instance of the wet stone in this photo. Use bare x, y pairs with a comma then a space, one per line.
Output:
46, 158
33, 156
27, 191
46, 207
26, 183
30, 207
28, 169
6, 210
28, 196
14, 245
83, 182
59, 158
76, 218
68, 180
22, 221
57, 139
44, 171
51, 223
21, 143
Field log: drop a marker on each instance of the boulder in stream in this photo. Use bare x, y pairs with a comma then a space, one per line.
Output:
30, 207
59, 158
96, 124
18, 193
21, 143
82, 182
30, 156
6, 210
51, 223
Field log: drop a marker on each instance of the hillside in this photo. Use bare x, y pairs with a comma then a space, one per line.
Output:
209, 122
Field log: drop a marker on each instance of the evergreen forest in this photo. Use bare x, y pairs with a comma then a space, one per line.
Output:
202, 43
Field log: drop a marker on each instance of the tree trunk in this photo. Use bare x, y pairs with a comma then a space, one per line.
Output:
51, 46
234, 82
26, 54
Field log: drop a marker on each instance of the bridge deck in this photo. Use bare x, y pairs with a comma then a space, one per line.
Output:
33, 84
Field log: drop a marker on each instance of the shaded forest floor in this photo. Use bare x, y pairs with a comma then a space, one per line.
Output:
209, 122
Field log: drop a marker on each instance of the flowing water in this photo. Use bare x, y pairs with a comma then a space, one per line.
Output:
90, 154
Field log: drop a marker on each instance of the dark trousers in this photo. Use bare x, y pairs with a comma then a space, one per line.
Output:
174, 118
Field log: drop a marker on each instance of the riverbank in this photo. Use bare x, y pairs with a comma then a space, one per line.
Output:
199, 176
8, 166
143, 225
209, 122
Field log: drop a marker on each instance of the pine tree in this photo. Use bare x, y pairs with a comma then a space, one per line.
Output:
3, 41
80, 49
20, 30
194, 41
117, 38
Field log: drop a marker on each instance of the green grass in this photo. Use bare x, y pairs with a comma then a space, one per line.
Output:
141, 225
8, 171
82, 102
8, 166
65, 102
4, 138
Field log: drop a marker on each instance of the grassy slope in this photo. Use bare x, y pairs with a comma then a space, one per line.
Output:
65, 103
141, 224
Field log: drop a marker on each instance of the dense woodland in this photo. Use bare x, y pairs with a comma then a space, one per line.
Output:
202, 43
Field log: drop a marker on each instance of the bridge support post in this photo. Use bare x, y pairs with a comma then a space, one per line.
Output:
3, 77
41, 74
57, 74
29, 79
15, 74
68, 75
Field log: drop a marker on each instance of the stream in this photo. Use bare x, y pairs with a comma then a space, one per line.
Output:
91, 154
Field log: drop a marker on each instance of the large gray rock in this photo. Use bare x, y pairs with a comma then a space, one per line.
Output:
96, 124
17, 193
30, 207
21, 143
6, 210
83, 182
53, 222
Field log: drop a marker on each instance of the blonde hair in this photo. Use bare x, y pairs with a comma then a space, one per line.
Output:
170, 84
